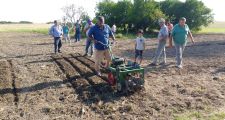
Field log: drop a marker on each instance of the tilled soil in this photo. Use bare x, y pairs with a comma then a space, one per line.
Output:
37, 84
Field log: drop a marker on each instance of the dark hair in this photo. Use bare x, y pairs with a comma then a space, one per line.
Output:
100, 18
55, 21
167, 21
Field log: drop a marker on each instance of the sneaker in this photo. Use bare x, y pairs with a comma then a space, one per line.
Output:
98, 74
59, 51
162, 63
179, 66
153, 64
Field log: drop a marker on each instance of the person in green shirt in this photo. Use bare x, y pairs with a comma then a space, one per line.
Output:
179, 35
66, 32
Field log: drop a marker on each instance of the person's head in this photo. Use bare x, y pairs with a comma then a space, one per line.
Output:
168, 22
55, 22
89, 21
101, 21
182, 21
77, 21
161, 21
140, 33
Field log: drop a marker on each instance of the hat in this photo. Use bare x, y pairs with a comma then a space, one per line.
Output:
161, 20
89, 21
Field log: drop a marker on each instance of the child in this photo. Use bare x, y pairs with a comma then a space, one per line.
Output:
139, 46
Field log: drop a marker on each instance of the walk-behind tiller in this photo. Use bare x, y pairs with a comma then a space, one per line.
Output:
124, 76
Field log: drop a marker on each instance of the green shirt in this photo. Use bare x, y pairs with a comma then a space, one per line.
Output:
180, 34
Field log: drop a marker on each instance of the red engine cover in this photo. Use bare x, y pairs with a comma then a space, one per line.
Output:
111, 79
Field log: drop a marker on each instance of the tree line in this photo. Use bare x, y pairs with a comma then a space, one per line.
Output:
20, 22
144, 14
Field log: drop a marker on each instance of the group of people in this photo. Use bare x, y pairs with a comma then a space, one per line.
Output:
99, 34
177, 33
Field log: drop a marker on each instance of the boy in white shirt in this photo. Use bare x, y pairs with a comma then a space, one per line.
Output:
139, 46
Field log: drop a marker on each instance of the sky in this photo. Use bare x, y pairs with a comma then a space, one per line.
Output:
42, 11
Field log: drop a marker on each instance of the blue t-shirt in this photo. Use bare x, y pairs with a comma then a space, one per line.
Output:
101, 35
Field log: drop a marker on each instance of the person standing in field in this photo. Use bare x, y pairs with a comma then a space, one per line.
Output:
114, 29
66, 31
100, 34
162, 38
179, 35
89, 42
169, 26
139, 46
77, 31
56, 31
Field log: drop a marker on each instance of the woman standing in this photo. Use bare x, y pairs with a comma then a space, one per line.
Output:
179, 35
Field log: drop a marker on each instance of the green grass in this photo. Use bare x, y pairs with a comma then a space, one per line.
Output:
25, 28
200, 116
216, 27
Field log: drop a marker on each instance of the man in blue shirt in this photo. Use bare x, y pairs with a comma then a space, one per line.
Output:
100, 34
56, 31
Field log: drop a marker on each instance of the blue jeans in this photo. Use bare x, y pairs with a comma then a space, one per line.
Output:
88, 45
179, 53
161, 50
77, 37
57, 44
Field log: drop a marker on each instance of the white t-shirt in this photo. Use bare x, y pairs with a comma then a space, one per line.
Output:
140, 43
114, 28
86, 26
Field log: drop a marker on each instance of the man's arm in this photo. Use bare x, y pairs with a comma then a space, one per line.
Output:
86, 27
190, 35
171, 41
164, 34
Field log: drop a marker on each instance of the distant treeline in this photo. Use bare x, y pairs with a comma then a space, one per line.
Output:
21, 22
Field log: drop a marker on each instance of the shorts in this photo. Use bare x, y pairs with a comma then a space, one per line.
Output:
99, 56
138, 53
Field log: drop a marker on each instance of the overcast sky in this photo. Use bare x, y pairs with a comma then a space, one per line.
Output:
41, 11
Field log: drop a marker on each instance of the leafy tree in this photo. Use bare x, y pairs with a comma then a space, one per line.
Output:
196, 13
145, 14
127, 15
136, 14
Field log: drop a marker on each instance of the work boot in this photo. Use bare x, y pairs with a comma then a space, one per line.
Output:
85, 55
153, 64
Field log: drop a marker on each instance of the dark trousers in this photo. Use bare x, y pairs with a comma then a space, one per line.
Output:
88, 45
57, 44
77, 37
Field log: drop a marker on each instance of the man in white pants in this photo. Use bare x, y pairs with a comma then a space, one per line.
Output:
162, 37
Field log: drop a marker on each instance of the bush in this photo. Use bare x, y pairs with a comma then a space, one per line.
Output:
119, 35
